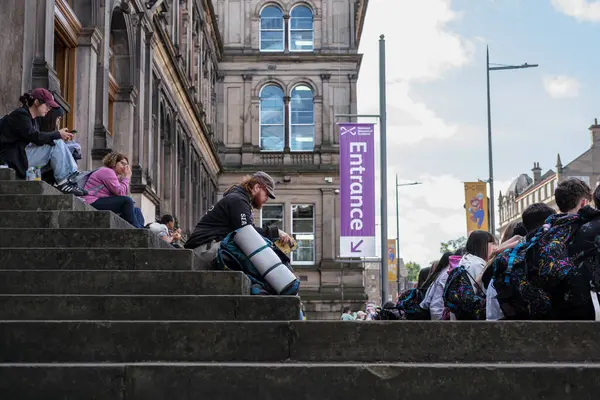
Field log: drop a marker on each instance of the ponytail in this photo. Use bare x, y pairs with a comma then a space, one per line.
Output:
26, 100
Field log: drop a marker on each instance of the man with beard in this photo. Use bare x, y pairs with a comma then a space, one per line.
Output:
234, 211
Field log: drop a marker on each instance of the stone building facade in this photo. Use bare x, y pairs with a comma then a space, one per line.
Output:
526, 190
288, 67
199, 93
133, 78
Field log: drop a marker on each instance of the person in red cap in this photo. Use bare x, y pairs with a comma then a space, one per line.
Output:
22, 145
234, 211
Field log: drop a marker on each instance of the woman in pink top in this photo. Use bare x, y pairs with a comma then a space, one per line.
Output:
108, 187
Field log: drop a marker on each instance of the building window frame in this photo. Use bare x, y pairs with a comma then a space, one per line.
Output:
281, 207
300, 30
279, 121
272, 30
303, 235
298, 122
67, 29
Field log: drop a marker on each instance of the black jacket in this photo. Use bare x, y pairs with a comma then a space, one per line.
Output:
17, 130
583, 250
233, 211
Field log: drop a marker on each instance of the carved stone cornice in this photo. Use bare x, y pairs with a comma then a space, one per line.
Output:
90, 37
325, 77
247, 77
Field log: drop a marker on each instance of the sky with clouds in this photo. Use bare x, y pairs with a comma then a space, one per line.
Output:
436, 94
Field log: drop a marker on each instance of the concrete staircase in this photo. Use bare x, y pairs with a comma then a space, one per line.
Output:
92, 309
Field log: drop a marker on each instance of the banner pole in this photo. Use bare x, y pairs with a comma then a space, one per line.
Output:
383, 130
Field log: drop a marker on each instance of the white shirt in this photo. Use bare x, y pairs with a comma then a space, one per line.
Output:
434, 300
493, 312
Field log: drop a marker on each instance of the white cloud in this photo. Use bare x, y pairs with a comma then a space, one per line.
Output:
420, 48
561, 86
582, 10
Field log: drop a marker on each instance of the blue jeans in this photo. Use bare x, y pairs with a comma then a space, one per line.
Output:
58, 157
122, 205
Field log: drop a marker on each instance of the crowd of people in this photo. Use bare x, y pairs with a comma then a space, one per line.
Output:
546, 266
547, 263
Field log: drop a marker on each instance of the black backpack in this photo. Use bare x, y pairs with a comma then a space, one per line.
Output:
461, 298
389, 312
409, 304
535, 279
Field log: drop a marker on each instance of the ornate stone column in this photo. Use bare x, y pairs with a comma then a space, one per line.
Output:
124, 110
247, 112
326, 108
85, 91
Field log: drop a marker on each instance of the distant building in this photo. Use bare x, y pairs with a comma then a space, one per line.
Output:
525, 190
288, 66
373, 282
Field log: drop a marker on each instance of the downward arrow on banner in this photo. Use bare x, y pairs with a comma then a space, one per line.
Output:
354, 248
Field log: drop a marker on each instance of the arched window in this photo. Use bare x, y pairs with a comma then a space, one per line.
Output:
302, 119
272, 33
272, 119
301, 29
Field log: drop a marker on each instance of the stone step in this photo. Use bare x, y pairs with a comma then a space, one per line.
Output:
144, 307
40, 202
25, 258
62, 219
27, 187
7, 174
298, 341
190, 381
80, 237
124, 282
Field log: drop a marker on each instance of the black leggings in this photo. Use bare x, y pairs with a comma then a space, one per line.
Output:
122, 205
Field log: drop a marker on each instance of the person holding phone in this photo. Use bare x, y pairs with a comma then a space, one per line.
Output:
53, 121
23, 145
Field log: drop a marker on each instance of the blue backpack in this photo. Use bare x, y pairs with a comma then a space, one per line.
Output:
230, 257
461, 298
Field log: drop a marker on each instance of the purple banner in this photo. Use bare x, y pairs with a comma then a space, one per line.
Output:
357, 190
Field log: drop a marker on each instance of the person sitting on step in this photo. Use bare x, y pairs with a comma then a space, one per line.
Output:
108, 187
52, 121
22, 145
232, 212
165, 229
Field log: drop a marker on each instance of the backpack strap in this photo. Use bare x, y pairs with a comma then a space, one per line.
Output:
595, 282
513, 254
475, 282
96, 189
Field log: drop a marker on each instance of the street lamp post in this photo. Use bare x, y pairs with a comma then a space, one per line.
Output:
398, 231
489, 121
